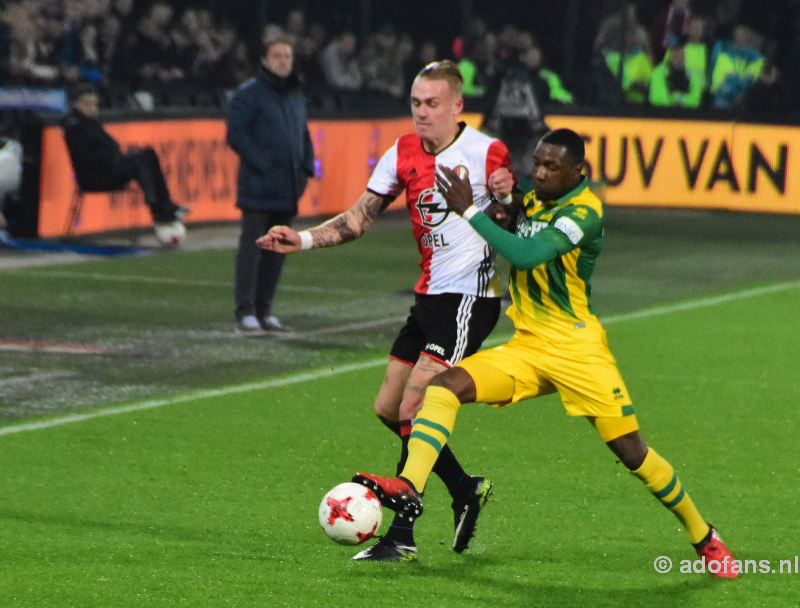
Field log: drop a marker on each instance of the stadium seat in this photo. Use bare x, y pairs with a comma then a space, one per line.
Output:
126, 196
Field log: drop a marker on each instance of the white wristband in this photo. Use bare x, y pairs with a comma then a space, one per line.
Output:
470, 212
506, 200
306, 240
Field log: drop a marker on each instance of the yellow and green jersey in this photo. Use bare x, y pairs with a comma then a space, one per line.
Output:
552, 255
552, 300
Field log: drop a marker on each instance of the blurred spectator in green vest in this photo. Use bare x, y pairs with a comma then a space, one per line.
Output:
549, 86
625, 47
473, 53
471, 72
695, 49
673, 84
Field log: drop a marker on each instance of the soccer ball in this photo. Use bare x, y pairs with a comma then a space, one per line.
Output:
350, 514
171, 234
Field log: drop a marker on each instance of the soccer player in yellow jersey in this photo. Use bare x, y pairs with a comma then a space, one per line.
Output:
559, 344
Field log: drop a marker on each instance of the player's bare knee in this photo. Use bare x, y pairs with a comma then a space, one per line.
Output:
386, 406
382, 410
630, 449
410, 405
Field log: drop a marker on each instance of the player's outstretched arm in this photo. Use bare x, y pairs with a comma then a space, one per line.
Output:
343, 228
351, 224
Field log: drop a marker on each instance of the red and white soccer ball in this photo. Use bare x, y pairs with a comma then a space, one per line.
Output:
350, 514
171, 234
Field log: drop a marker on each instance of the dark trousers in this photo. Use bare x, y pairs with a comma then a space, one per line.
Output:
143, 166
257, 271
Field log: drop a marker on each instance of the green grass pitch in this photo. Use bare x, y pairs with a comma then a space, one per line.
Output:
210, 497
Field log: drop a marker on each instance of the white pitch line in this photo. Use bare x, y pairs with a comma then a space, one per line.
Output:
307, 376
60, 349
34, 378
223, 391
701, 302
337, 329
113, 278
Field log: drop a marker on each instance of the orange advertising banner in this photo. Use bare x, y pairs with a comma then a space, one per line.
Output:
639, 162
200, 170
692, 164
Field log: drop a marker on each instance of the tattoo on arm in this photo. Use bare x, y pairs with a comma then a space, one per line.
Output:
428, 365
351, 224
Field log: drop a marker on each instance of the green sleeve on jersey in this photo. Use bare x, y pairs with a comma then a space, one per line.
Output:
522, 253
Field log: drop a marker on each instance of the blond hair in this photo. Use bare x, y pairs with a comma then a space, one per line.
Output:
444, 70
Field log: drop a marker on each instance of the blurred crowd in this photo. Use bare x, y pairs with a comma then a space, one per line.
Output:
682, 53
698, 53
109, 42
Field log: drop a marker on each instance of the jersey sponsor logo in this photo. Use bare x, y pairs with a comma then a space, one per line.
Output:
433, 240
439, 350
432, 209
527, 229
570, 228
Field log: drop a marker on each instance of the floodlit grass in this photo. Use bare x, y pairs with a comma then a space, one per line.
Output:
212, 501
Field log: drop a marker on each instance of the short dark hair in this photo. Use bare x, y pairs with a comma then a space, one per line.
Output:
81, 89
570, 140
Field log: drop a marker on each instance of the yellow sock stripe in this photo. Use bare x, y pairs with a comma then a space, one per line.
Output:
435, 444
673, 486
434, 425
674, 502
660, 494
662, 481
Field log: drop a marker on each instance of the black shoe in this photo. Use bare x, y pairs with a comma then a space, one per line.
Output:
467, 509
387, 550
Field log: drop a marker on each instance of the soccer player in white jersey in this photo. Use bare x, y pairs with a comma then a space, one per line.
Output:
457, 301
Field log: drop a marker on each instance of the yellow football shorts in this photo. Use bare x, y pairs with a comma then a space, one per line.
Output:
585, 375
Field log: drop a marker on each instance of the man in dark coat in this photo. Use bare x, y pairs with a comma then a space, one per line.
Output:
100, 165
268, 130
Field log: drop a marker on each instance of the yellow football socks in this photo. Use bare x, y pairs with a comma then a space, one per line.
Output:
660, 478
429, 434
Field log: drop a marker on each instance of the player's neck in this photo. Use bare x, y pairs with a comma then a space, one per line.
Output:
434, 146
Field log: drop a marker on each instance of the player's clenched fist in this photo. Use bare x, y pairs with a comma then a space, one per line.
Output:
280, 239
501, 182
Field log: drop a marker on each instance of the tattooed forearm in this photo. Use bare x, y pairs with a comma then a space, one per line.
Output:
334, 231
351, 224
